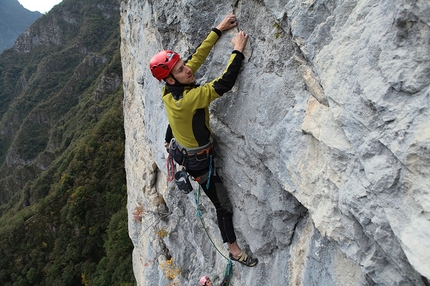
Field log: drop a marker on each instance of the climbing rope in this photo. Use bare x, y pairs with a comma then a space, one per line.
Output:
171, 168
199, 215
228, 272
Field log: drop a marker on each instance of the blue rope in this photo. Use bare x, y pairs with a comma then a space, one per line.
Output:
197, 196
228, 273
209, 173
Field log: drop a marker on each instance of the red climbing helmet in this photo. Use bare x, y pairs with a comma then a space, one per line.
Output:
162, 63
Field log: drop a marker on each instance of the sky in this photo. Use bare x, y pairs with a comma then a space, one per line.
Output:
42, 6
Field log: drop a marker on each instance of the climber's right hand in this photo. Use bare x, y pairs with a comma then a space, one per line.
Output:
229, 22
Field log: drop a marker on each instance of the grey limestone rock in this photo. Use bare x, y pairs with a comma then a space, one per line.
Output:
323, 143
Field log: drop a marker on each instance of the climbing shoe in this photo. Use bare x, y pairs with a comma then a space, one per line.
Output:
245, 259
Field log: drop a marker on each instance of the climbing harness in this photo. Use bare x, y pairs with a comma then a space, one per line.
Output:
194, 158
228, 272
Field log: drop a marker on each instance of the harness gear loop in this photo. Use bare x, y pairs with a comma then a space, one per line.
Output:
184, 157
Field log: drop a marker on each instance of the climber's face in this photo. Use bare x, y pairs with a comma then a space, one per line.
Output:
182, 73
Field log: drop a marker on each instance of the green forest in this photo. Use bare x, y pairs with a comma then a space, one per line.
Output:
62, 179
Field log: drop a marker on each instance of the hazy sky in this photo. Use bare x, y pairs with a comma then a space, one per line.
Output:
42, 6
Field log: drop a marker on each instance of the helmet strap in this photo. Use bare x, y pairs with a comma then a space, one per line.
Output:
173, 77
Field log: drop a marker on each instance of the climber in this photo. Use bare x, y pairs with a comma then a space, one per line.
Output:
188, 135
206, 281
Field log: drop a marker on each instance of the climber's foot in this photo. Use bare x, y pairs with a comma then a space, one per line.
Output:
245, 259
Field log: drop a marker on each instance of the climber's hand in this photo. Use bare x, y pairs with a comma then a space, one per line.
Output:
167, 146
239, 41
229, 22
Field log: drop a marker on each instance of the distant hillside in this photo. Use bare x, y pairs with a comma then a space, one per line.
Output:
14, 19
63, 216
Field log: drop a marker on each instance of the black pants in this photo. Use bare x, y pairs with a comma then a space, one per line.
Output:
218, 195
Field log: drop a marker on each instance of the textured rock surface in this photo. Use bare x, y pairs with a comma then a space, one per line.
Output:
323, 142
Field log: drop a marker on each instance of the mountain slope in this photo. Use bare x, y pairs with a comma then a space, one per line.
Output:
14, 19
45, 77
62, 181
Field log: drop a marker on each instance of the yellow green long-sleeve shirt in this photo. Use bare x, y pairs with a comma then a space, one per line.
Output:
187, 105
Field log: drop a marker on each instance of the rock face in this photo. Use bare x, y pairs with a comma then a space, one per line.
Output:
323, 142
